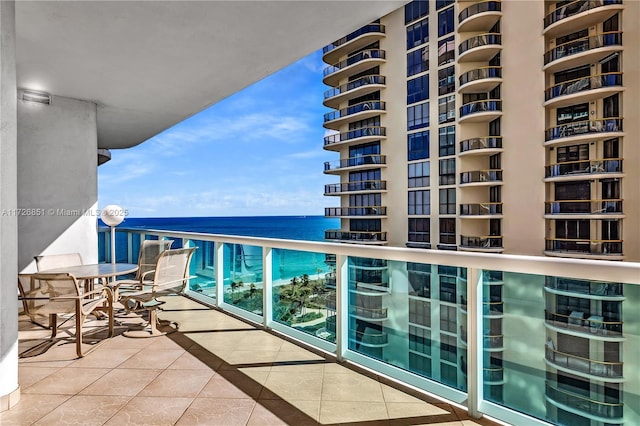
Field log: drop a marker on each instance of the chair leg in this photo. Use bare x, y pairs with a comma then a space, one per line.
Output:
152, 327
79, 322
53, 322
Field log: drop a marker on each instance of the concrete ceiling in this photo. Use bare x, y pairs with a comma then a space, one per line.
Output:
150, 64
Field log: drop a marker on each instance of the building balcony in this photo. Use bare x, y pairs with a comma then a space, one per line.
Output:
586, 324
584, 248
584, 131
481, 211
354, 41
335, 119
356, 237
584, 367
480, 16
584, 89
579, 14
480, 80
492, 244
490, 343
487, 145
370, 339
598, 410
590, 209
481, 178
586, 169
480, 111
493, 375
359, 186
357, 136
353, 89
368, 314
584, 289
354, 64
490, 309
582, 51
480, 48
355, 163
347, 212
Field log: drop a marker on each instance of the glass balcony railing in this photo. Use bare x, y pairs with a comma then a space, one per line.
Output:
583, 84
584, 246
480, 176
613, 38
480, 74
481, 40
480, 209
371, 28
584, 167
568, 10
486, 105
355, 211
489, 142
363, 185
354, 109
354, 59
583, 206
586, 127
474, 9
486, 242
360, 82
355, 134
292, 286
365, 160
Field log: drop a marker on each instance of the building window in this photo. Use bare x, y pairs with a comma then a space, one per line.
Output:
418, 89
448, 231
448, 201
419, 339
365, 149
447, 141
446, 51
419, 232
446, 80
419, 364
418, 145
419, 174
419, 202
365, 225
415, 10
419, 312
448, 171
449, 374
573, 229
447, 109
445, 22
572, 113
418, 116
443, 3
448, 318
419, 274
418, 61
448, 348
417, 34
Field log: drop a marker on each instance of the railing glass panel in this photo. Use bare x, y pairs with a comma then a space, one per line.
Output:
243, 277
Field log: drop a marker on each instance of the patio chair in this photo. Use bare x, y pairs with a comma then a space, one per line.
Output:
147, 258
64, 296
170, 278
51, 261
32, 298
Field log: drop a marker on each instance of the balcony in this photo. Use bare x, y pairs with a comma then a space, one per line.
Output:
480, 16
584, 367
357, 136
584, 248
585, 324
598, 410
586, 289
488, 145
582, 51
353, 89
354, 41
370, 339
579, 14
589, 209
480, 111
481, 178
481, 211
354, 64
480, 80
584, 89
355, 163
359, 186
368, 314
492, 244
584, 131
480, 48
356, 237
493, 375
377, 211
585, 169
335, 119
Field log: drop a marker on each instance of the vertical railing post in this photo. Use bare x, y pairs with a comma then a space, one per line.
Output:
267, 283
218, 271
342, 306
130, 248
474, 342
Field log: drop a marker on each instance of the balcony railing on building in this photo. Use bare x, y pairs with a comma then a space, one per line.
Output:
603, 290
354, 59
586, 127
367, 80
481, 209
608, 206
370, 338
568, 10
355, 109
362, 185
481, 176
585, 323
488, 142
486, 105
371, 28
480, 48
584, 365
477, 8
570, 87
584, 246
364, 160
480, 75
605, 410
481, 242
584, 167
375, 131
368, 313
355, 236
574, 47
355, 211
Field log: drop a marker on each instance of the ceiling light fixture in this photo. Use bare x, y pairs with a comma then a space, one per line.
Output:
36, 96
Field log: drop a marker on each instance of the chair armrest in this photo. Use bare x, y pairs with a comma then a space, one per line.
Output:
143, 276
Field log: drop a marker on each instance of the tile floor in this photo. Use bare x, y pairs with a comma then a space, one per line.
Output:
216, 370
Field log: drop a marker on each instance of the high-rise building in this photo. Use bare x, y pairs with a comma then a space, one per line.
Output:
496, 127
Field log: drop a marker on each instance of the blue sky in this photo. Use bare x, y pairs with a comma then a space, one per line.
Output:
256, 153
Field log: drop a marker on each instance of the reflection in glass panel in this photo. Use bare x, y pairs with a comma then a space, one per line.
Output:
393, 319
202, 268
304, 292
243, 277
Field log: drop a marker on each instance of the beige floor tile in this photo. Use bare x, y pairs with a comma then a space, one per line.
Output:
181, 383
29, 375
67, 381
278, 412
231, 385
335, 368
291, 387
409, 410
31, 408
249, 357
122, 342
262, 340
145, 410
395, 395
122, 382
257, 374
84, 410
105, 358
160, 358
196, 359
351, 387
352, 412
217, 411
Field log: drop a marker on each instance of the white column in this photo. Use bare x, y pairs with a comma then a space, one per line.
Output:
474, 342
342, 306
267, 285
219, 272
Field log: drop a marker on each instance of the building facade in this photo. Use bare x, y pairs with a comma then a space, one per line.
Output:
495, 127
